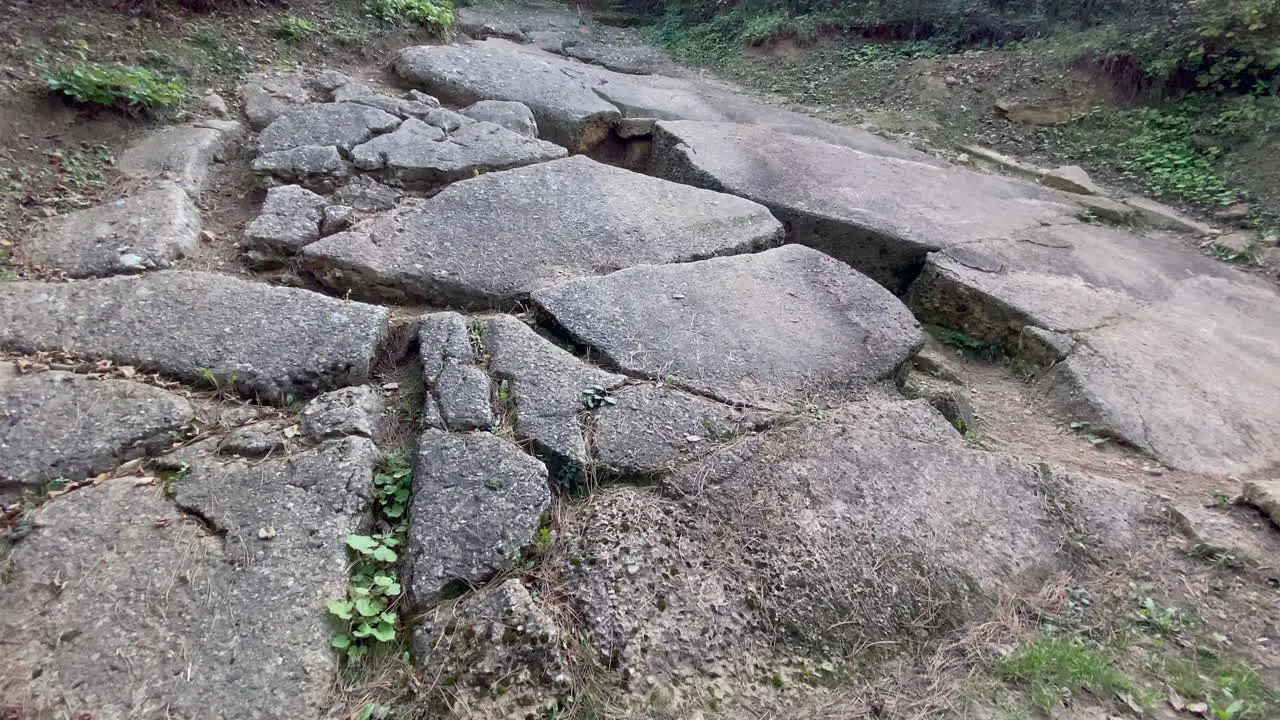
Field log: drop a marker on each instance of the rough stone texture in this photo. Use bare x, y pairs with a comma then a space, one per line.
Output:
1107, 210
513, 22
311, 165
545, 384
788, 325
270, 96
290, 218
396, 106
145, 591
568, 110
261, 340
1162, 216
421, 155
1133, 309
1211, 531
145, 231
255, 441
181, 154
477, 500
461, 391
882, 215
1003, 162
514, 116
60, 425
336, 218
339, 413
1072, 179
364, 194
1264, 495
491, 240
340, 125
706, 583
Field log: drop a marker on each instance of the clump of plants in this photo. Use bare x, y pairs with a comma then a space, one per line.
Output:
295, 29
133, 88
436, 14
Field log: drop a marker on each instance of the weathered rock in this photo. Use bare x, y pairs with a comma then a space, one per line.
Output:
1072, 179
1107, 210
1003, 162
568, 111
255, 441
261, 340
1264, 495
241, 616
270, 96
1213, 533
421, 155
545, 384
364, 194
396, 106
623, 58
1029, 114
339, 413
514, 116
781, 327
421, 97
181, 154
328, 80
513, 22
351, 91
879, 214
493, 239
340, 125
290, 218
461, 391
214, 103
477, 501
313, 166
145, 231
60, 425
336, 218
1162, 216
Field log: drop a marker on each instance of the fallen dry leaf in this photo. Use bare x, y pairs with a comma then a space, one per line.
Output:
1176, 702
266, 533
140, 482
1198, 708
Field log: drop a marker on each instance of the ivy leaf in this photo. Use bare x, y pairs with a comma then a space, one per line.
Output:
384, 554
363, 630
386, 632
382, 580
393, 589
341, 609
394, 511
342, 642
361, 543
388, 617
369, 608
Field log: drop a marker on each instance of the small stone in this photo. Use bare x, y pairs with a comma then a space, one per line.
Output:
421, 97
336, 219
290, 218
311, 165
351, 91
214, 103
341, 125
514, 116
1234, 213
1072, 179
365, 194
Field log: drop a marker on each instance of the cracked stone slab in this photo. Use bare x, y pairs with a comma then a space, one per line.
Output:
491, 240
347, 411
61, 425
340, 125
364, 194
545, 384
514, 116
421, 155
290, 218
269, 96
881, 215
315, 166
242, 617
261, 340
568, 110
477, 501
788, 325
144, 231
181, 154
460, 390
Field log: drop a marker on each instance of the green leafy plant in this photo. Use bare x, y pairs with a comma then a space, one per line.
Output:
134, 88
392, 485
428, 13
294, 29
1166, 621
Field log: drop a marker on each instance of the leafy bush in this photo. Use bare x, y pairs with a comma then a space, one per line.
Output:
116, 85
429, 13
293, 28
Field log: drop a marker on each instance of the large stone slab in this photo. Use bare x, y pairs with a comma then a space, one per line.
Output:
492, 240
121, 607
61, 425
789, 325
340, 125
261, 340
477, 501
315, 166
145, 231
418, 154
880, 214
568, 110
181, 154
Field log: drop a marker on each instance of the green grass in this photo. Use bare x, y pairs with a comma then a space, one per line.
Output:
1054, 669
295, 29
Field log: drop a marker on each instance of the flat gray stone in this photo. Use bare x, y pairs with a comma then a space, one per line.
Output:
340, 125
514, 116
336, 218
350, 91
477, 501
255, 441
144, 231
399, 107
1264, 495
268, 96
290, 218
364, 194
1072, 179
545, 384
460, 390
491, 240
880, 214
181, 154
258, 339
568, 111
243, 618
424, 156
311, 165
60, 425
1161, 216
347, 411
514, 22
786, 326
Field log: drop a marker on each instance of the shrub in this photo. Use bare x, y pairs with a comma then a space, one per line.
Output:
115, 85
293, 28
429, 13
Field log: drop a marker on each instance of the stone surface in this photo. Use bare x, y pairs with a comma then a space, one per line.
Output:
290, 218
477, 501
396, 106
241, 617
256, 440
336, 218
460, 391
568, 111
424, 156
181, 154
1162, 216
1072, 179
340, 125
268, 96
514, 22
348, 411
312, 165
145, 231
60, 425
514, 116
545, 384
264, 341
788, 325
1107, 210
491, 240
1264, 495
882, 215
364, 194
1003, 162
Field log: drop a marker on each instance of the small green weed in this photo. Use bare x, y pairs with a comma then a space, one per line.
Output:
1055, 669
295, 29
428, 13
392, 485
967, 345
130, 87
1165, 621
